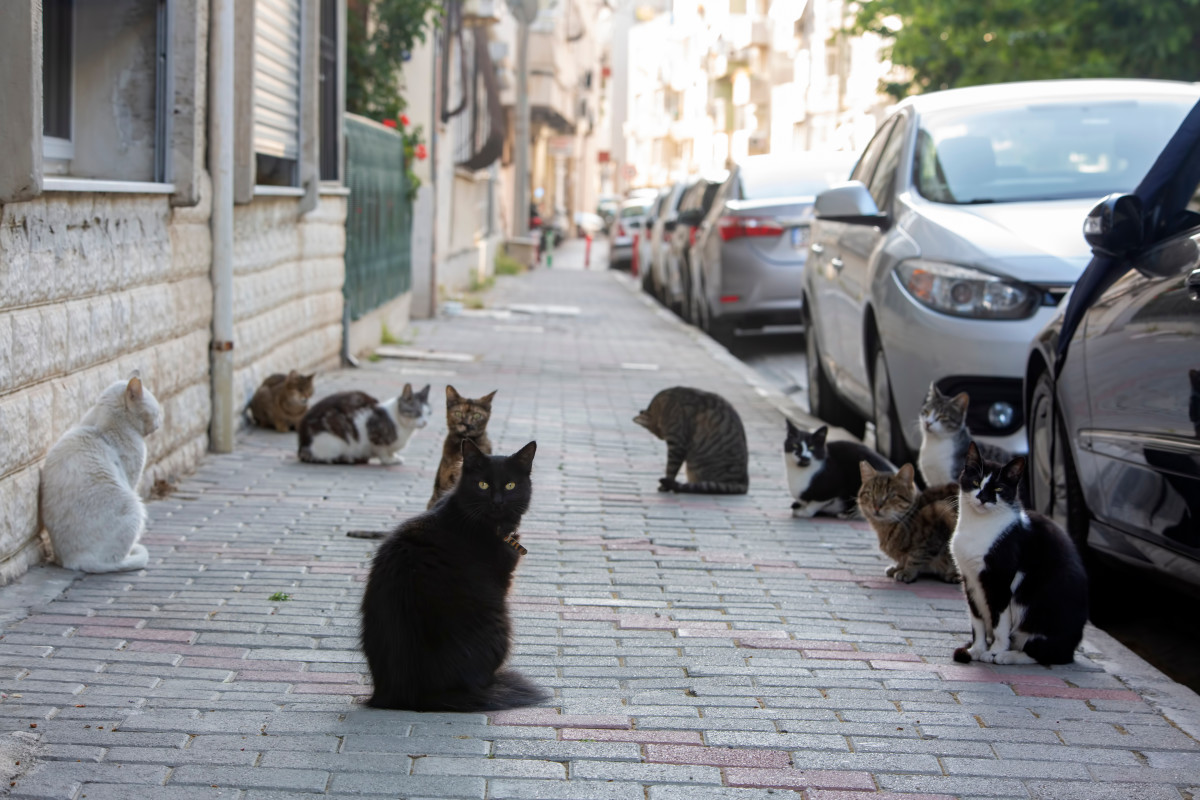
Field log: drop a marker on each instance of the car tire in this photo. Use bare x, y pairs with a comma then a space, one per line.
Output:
889, 436
823, 401
1054, 492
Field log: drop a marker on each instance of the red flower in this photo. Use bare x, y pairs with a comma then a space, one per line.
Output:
420, 153
404, 120
389, 123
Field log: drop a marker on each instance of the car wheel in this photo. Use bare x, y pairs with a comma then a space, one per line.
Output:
889, 436
1054, 488
823, 402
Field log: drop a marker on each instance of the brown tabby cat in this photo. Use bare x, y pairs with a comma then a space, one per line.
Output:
703, 430
466, 419
281, 400
913, 527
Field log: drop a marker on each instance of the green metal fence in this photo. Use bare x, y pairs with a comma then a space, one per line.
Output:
379, 217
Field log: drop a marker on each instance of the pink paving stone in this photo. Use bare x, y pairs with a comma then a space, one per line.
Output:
331, 688
791, 644
208, 650
241, 663
971, 674
841, 655
756, 778
293, 676
641, 736
694, 632
832, 575
152, 634
824, 794
550, 717
716, 756
64, 619
1070, 693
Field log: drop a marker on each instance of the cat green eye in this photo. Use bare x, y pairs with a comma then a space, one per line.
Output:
483, 485
510, 485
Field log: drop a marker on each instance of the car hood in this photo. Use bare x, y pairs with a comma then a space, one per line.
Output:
1033, 241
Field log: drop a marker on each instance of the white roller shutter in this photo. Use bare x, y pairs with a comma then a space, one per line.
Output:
277, 78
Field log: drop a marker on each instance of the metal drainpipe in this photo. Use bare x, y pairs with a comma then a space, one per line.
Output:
220, 164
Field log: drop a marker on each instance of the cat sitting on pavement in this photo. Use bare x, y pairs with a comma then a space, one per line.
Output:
824, 477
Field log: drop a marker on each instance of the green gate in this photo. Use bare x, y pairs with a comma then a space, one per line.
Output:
378, 219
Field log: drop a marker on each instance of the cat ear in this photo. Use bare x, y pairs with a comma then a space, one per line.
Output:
933, 390
524, 457
487, 398
962, 400
973, 458
1014, 470
819, 434
292, 374
133, 389
423, 395
792, 430
642, 419
866, 470
906, 473
451, 395
473, 458
406, 394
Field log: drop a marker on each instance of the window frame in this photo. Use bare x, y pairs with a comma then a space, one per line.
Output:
56, 149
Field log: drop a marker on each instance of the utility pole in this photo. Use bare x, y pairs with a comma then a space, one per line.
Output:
526, 12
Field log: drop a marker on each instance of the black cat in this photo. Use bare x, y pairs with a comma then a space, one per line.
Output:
435, 624
1026, 587
824, 477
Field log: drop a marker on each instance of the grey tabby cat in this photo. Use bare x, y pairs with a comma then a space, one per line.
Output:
703, 430
914, 527
945, 437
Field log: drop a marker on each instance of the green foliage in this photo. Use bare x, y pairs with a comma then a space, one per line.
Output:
951, 43
380, 34
507, 265
279, 597
387, 337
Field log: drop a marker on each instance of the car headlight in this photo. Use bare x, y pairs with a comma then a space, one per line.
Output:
965, 292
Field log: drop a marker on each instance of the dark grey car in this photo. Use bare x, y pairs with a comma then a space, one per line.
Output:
748, 260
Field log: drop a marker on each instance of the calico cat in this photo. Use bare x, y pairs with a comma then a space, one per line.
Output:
1025, 583
89, 498
281, 401
824, 476
354, 427
913, 526
465, 419
435, 625
703, 430
945, 436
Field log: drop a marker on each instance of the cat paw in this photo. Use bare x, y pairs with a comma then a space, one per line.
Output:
907, 575
667, 484
389, 461
1008, 657
851, 514
952, 577
891, 570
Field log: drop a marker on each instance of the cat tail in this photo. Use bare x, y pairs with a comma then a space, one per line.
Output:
510, 689
713, 487
1046, 650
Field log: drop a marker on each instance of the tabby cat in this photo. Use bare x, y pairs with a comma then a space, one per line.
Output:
465, 419
1025, 583
435, 624
913, 526
824, 477
945, 436
703, 430
354, 427
281, 401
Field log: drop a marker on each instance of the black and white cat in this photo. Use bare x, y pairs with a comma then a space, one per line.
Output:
354, 427
1025, 584
824, 477
945, 436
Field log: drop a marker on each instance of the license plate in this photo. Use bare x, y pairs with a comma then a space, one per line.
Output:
799, 238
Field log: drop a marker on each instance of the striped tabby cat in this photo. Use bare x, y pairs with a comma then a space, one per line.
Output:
466, 419
703, 430
913, 526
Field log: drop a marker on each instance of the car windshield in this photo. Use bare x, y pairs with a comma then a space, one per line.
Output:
1041, 151
783, 179
633, 211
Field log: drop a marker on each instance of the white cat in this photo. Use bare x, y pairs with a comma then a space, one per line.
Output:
89, 496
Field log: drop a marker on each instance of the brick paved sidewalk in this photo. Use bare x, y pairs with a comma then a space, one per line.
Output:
698, 647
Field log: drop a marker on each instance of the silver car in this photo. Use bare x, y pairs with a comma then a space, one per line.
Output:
630, 222
957, 236
749, 255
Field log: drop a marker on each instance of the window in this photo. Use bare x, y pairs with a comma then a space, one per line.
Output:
330, 100
277, 92
866, 164
104, 84
884, 179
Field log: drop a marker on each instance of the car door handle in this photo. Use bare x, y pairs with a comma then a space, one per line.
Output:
1193, 284
837, 263
817, 249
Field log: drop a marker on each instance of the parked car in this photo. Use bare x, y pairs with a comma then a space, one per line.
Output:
749, 256
648, 240
629, 222
694, 206
954, 240
1114, 421
666, 287
607, 208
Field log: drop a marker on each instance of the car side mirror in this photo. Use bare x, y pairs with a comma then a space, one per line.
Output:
851, 203
1115, 226
690, 216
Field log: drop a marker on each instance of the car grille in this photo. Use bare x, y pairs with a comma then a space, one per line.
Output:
1053, 295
